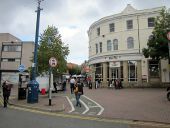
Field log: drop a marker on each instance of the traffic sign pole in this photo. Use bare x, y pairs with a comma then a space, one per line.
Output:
52, 63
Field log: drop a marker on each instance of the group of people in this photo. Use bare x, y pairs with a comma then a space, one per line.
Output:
6, 88
116, 82
76, 87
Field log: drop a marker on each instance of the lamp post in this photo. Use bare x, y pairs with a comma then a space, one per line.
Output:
33, 86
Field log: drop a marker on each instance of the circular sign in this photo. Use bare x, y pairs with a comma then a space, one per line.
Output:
21, 68
53, 62
168, 35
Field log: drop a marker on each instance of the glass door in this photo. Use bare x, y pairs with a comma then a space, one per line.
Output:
115, 73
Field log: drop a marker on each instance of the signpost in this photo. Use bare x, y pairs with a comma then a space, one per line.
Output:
52, 63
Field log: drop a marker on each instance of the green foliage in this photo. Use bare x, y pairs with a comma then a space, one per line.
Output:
51, 45
75, 70
158, 43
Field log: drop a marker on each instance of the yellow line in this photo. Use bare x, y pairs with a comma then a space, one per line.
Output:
128, 122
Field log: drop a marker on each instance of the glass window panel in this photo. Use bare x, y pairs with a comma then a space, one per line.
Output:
115, 44
129, 24
109, 45
130, 42
112, 27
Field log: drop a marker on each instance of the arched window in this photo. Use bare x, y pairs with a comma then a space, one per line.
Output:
115, 44
130, 42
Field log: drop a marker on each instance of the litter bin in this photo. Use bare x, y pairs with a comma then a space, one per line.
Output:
22, 93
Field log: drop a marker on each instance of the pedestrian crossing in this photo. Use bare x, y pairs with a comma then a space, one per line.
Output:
89, 106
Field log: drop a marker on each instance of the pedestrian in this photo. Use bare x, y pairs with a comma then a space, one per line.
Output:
55, 86
6, 92
64, 85
72, 83
78, 90
90, 84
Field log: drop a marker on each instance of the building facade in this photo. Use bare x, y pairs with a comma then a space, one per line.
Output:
14, 52
115, 49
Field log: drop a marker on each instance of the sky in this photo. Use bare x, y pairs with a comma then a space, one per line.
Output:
72, 18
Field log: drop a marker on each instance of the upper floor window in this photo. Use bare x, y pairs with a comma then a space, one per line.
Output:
96, 48
10, 60
129, 24
109, 45
151, 21
11, 48
100, 46
112, 27
115, 44
98, 31
130, 42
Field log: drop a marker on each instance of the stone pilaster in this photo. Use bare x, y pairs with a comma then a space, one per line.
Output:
125, 73
104, 74
139, 73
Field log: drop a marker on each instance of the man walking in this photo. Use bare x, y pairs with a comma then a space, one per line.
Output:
72, 82
6, 92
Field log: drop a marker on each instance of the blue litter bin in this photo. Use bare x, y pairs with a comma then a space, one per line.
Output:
33, 89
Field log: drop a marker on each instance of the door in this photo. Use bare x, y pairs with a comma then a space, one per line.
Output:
115, 73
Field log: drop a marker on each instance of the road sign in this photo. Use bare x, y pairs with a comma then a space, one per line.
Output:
168, 35
53, 62
21, 68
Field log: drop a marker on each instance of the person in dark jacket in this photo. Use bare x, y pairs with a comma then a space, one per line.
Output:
6, 92
78, 90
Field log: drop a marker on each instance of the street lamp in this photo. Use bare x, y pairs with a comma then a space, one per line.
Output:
33, 86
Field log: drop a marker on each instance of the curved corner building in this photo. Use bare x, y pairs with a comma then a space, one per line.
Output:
115, 49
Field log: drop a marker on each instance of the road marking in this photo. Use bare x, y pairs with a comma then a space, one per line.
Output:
91, 113
101, 108
129, 122
71, 104
86, 107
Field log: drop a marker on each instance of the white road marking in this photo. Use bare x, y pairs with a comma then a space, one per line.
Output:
71, 104
101, 108
86, 107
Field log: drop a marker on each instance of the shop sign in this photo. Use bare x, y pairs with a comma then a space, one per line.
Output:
114, 64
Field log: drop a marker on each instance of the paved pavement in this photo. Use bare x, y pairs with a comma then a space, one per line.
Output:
127, 104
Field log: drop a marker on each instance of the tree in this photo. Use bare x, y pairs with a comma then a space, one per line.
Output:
158, 42
51, 45
75, 70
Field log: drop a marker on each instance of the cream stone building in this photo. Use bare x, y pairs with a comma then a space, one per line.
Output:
14, 52
115, 49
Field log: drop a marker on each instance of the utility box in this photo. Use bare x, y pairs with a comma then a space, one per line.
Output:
22, 86
33, 90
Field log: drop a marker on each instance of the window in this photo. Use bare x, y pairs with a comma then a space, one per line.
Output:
132, 71
129, 24
153, 68
96, 48
112, 27
151, 21
109, 45
98, 31
115, 44
100, 47
11, 48
130, 43
10, 60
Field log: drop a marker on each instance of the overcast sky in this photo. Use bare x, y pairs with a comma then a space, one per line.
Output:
72, 18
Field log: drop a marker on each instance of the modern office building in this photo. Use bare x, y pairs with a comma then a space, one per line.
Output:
13, 53
115, 49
